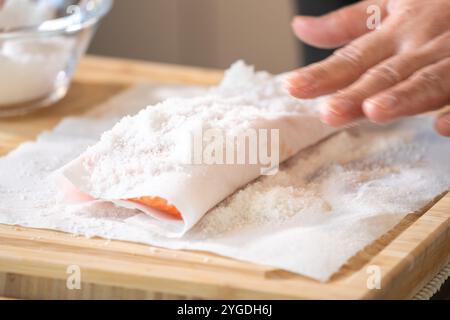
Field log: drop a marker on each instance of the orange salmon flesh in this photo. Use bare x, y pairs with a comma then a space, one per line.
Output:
158, 204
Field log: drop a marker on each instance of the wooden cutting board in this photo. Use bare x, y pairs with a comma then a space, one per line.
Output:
34, 263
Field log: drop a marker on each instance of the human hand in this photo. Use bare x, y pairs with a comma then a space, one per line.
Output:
402, 68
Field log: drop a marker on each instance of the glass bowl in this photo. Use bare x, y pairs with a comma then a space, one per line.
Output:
41, 42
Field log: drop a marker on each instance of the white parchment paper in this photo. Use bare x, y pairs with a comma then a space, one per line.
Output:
323, 206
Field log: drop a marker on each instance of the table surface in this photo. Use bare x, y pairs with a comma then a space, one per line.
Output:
408, 256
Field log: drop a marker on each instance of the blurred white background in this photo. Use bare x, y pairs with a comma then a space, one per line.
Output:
207, 33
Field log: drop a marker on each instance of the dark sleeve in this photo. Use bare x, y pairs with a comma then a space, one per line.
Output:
317, 8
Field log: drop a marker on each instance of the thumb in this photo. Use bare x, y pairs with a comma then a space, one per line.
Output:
336, 28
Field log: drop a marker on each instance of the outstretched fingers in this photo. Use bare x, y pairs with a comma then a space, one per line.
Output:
346, 105
344, 67
426, 90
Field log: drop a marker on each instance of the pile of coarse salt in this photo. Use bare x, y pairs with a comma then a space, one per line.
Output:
324, 183
149, 143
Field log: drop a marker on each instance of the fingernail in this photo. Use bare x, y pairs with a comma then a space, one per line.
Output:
303, 82
297, 21
386, 103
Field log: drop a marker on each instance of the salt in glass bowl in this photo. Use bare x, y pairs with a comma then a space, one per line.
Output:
41, 43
